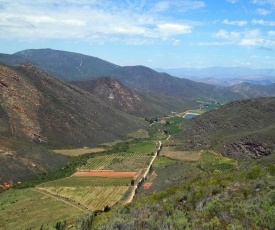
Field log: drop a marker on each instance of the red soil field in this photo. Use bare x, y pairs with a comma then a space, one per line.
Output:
105, 173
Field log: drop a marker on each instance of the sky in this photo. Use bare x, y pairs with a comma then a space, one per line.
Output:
158, 34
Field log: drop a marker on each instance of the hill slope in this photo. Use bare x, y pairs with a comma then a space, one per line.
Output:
113, 92
238, 129
130, 101
147, 80
249, 90
37, 109
66, 65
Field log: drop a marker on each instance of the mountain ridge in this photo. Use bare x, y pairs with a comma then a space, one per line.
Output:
66, 66
240, 129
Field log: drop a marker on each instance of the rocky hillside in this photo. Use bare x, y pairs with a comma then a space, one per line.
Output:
111, 91
38, 110
238, 129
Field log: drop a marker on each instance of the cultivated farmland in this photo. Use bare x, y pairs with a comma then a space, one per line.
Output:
106, 177
132, 157
27, 208
90, 197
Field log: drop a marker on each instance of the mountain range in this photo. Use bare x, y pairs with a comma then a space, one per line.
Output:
225, 76
69, 66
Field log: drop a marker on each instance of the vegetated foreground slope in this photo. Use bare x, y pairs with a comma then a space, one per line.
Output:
237, 129
66, 65
130, 101
37, 109
212, 193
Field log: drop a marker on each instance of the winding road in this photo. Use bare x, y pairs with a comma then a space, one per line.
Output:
135, 187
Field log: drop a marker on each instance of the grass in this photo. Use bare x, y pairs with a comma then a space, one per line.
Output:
198, 111
181, 155
93, 198
88, 181
139, 134
214, 192
162, 161
118, 162
94, 193
112, 144
142, 147
80, 151
26, 208
129, 156
188, 190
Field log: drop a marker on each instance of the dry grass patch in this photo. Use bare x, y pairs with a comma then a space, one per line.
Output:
104, 173
139, 134
181, 155
78, 152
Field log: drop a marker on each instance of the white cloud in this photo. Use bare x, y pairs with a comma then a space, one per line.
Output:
236, 23
169, 29
244, 38
232, 36
176, 42
263, 12
91, 20
232, 1
250, 42
162, 6
179, 6
264, 2
263, 22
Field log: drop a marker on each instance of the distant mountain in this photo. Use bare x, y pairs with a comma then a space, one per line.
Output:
234, 81
38, 110
69, 66
220, 72
225, 76
145, 79
238, 129
61, 64
249, 90
111, 91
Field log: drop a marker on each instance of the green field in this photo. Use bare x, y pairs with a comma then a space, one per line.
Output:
198, 111
128, 157
76, 181
91, 197
27, 208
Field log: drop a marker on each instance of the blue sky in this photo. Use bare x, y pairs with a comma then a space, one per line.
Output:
164, 34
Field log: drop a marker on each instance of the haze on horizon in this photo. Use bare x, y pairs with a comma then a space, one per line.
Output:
157, 34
